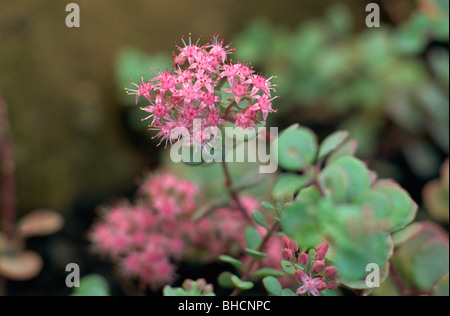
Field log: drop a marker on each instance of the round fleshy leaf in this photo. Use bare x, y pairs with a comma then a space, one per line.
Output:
331, 143
288, 292
224, 280
243, 285
430, 264
252, 237
334, 182
96, 285
40, 223
255, 254
406, 234
234, 262
265, 272
300, 223
297, 148
436, 200
377, 202
22, 266
402, 210
287, 185
309, 195
272, 286
361, 284
353, 255
348, 149
287, 267
259, 219
359, 177
442, 288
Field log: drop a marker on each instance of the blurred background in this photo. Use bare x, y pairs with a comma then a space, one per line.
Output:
78, 139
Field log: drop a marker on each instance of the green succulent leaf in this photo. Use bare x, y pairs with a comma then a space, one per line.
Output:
334, 182
259, 219
272, 286
442, 287
252, 237
288, 267
243, 285
265, 272
299, 221
297, 148
430, 265
287, 185
234, 262
359, 176
288, 292
331, 143
92, 285
255, 254
348, 149
224, 280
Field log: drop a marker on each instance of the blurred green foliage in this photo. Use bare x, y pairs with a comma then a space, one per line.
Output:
420, 263
342, 202
387, 86
436, 196
92, 285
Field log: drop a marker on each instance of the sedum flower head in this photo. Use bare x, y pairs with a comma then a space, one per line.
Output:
204, 85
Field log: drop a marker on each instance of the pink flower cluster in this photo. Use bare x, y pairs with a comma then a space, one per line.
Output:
197, 89
149, 238
314, 274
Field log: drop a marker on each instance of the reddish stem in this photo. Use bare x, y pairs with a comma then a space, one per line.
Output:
7, 171
233, 193
248, 270
397, 280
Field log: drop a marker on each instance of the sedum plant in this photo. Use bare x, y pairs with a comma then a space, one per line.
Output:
326, 219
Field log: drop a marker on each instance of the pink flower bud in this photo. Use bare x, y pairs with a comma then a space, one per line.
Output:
294, 246
287, 254
322, 251
300, 275
303, 259
332, 285
318, 266
286, 242
331, 273
322, 286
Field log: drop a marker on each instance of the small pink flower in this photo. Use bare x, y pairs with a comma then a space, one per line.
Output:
243, 121
264, 104
300, 275
239, 90
193, 87
213, 119
143, 89
310, 286
191, 113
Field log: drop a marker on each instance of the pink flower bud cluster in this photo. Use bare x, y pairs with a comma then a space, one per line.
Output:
204, 86
314, 274
149, 238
